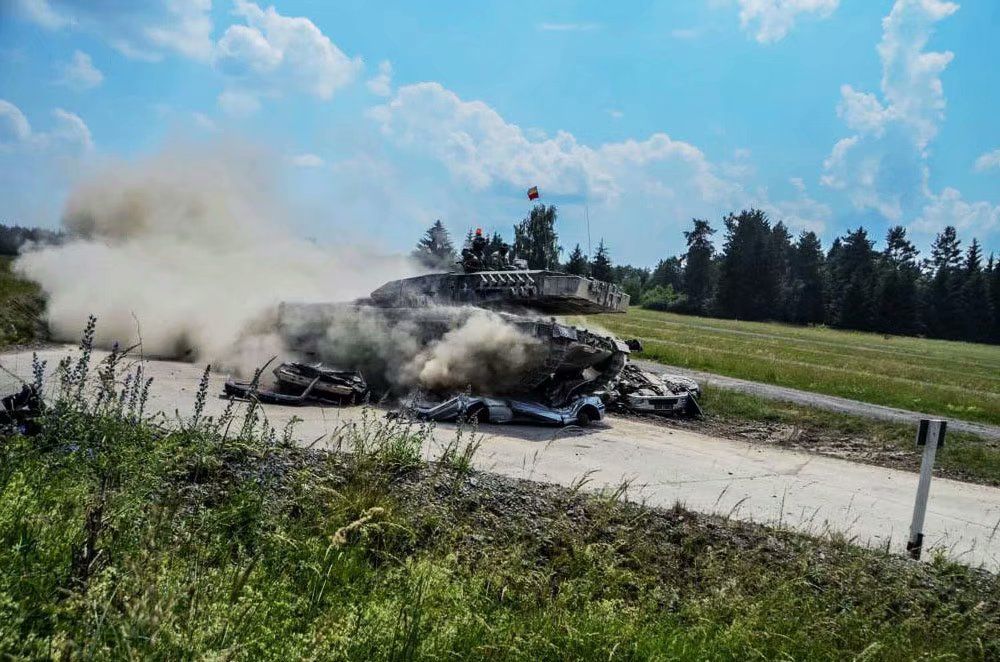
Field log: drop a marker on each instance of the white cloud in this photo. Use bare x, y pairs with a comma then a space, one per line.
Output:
988, 160
14, 126
911, 77
948, 208
140, 30
189, 30
80, 73
307, 161
40, 12
616, 114
69, 131
381, 83
882, 166
567, 27
238, 103
801, 212
273, 53
771, 20
862, 111
481, 149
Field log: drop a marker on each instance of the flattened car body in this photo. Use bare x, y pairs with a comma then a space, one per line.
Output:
666, 395
581, 411
305, 383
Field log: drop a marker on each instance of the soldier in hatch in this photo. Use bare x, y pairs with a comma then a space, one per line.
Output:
479, 244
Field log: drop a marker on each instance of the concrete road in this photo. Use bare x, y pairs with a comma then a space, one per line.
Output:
819, 400
811, 493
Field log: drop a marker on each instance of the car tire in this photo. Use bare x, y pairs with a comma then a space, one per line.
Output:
583, 418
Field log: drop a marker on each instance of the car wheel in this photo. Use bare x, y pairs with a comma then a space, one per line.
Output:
583, 418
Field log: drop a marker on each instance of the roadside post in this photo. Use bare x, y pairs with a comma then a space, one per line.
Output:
930, 435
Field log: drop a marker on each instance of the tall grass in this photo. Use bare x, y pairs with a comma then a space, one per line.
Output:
123, 537
953, 379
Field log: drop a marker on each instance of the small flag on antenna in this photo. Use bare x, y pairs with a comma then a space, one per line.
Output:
533, 193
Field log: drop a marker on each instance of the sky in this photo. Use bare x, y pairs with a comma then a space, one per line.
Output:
378, 118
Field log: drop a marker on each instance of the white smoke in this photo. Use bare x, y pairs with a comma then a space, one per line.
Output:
191, 249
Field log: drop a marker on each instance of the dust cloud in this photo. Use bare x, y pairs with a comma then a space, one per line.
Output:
484, 352
190, 252
439, 348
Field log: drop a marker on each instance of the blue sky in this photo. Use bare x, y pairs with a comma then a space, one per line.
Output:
380, 117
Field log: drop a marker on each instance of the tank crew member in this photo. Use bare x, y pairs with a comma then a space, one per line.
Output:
479, 244
503, 253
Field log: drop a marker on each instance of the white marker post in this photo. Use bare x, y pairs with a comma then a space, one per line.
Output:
931, 436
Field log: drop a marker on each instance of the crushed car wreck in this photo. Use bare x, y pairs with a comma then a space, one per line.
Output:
644, 392
574, 373
581, 411
301, 383
20, 411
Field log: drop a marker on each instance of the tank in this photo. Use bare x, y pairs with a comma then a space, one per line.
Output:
573, 361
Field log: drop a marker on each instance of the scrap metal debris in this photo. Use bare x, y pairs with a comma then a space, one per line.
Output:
645, 392
19, 412
302, 383
581, 411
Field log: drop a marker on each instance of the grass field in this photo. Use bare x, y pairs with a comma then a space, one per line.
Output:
21, 306
954, 379
120, 539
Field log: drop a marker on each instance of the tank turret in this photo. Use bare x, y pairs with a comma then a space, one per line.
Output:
549, 292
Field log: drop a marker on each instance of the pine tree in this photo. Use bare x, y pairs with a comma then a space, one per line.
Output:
600, 266
668, 272
897, 295
535, 238
807, 298
578, 264
779, 262
435, 250
977, 313
994, 283
747, 285
852, 273
944, 307
698, 266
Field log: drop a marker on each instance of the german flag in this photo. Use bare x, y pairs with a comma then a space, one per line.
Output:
533, 193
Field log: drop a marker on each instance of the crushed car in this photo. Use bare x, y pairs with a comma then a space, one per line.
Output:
19, 412
581, 411
305, 383
644, 392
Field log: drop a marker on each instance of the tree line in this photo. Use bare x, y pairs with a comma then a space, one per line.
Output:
762, 273
13, 237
